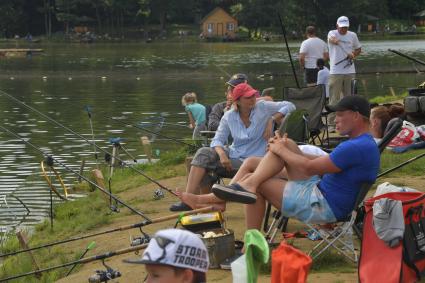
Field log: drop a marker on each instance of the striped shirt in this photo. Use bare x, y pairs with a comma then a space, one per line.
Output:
248, 141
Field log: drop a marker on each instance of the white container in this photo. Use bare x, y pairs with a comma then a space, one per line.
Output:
239, 272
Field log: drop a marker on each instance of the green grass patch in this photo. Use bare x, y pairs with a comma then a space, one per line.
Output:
331, 261
390, 160
71, 219
387, 98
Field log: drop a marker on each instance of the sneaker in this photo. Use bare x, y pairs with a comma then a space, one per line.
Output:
234, 192
180, 206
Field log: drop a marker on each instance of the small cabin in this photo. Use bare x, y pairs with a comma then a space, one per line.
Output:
218, 23
419, 18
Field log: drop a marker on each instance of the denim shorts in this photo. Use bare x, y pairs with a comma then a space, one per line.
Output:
304, 201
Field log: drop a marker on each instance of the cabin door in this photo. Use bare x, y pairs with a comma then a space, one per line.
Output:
220, 29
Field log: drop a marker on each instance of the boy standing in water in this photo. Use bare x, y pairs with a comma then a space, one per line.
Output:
196, 112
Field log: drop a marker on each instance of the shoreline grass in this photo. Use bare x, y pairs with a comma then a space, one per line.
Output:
71, 217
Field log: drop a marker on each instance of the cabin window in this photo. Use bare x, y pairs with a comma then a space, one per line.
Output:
230, 26
210, 27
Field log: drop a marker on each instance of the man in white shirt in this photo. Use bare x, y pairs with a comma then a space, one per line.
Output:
344, 47
323, 75
312, 49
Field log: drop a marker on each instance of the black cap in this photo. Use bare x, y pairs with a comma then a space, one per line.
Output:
352, 102
237, 79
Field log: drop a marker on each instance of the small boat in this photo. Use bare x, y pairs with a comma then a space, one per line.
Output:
19, 52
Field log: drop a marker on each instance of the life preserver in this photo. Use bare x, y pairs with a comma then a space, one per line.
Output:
49, 182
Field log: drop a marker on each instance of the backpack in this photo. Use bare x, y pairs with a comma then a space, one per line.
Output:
295, 124
405, 262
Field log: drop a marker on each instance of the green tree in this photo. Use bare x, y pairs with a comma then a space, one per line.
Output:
12, 17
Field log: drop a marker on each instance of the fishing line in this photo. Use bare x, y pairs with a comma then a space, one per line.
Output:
75, 172
89, 142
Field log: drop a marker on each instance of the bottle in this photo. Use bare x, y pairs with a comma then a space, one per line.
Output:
239, 272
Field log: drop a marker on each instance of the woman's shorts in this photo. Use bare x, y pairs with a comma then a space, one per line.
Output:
304, 201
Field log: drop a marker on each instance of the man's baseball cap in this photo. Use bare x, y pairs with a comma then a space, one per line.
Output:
237, 79
354, 103
244, 90
178, 248
343, 22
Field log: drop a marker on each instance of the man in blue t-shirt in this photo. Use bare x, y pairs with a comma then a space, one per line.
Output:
320, 189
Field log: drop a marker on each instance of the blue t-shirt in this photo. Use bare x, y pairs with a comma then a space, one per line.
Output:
359, 160
198, 112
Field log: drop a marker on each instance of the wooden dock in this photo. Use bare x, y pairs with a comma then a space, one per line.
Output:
19, 52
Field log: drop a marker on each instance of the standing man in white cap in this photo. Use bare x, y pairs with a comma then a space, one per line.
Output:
344, 47
175, 256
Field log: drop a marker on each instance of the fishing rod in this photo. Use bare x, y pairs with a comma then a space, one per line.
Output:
107, 254
401, 165
76, 173
88, 110
289, 51
122, 228
407, 56
80, 261
89, 142
149, 131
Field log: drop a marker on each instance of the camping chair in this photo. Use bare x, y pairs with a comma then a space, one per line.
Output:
312, 99
334, 237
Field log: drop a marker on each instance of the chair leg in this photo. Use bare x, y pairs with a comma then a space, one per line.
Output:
332, 239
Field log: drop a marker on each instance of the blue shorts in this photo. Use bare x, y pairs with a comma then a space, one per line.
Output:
304, 201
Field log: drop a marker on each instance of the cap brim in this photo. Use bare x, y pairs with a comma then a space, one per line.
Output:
235, 82
343, 25
334, 108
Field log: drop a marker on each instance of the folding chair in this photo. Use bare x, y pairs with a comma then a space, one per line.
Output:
312, 99
333, 238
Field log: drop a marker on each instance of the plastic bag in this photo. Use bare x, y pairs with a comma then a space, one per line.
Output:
406, 136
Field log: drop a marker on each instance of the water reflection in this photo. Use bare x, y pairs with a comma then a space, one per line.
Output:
130, 85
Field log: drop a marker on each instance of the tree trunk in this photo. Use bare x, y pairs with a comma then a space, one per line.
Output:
162, 20
46, 25
99, 22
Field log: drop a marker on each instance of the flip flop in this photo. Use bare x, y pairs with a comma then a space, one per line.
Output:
234, 192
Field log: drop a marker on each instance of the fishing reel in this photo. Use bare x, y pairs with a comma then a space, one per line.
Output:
104, 275
158, 194
140, 240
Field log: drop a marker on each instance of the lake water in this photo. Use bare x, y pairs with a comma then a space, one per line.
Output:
139, 82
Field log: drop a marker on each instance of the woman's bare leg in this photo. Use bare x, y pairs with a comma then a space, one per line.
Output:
269, 166
198, 201
248, 166
271, 191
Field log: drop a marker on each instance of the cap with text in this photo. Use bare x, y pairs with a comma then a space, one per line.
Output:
343, 22
178, 248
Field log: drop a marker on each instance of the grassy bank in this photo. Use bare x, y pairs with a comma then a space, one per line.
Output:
71, 218
89, 214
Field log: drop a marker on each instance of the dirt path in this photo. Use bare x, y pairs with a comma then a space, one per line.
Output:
136, 273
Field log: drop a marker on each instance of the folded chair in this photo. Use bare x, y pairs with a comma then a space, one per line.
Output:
312, 99
335, 237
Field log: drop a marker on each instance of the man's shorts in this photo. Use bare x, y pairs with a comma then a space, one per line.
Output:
304, 201
310, 75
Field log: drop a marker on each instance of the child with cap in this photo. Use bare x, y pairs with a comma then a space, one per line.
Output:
175, 256
197, 114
